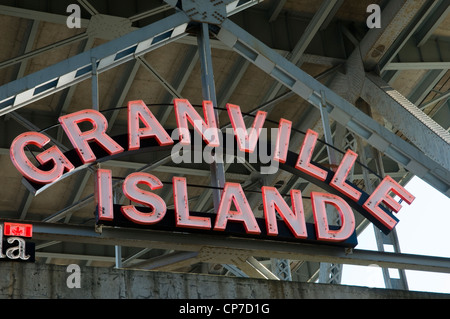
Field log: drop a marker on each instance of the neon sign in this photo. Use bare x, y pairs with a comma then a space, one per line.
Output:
145, 131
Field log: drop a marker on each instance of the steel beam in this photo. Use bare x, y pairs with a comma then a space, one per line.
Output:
235, 6
273, 249
384, 241
313, 27
189, 62
52, 79
209, 94
31, 54
306, 58
419, 128
66, 96
420, 65
72, 256
276, 9
235, 270
172, 91
437, 17
94, 85
282, 269
256, 269
237, 71
88, 7
133, 259
78, 189
150, 12
29, 45
338, 108
443, 96
25, 204
190, 40
122, 91
433, 55
397, 15
296, 55
426, 84
231, 6
168, 262
407, 35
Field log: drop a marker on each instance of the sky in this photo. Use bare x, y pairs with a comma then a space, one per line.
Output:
423, 230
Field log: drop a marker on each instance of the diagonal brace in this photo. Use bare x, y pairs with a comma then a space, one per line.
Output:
26, 90
338, 108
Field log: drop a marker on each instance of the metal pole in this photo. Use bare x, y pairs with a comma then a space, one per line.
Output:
118, 256
327, 131
391, 241
329, 272
95, 103
117, 248
209, 94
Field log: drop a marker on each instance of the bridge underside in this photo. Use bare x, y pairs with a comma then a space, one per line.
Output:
383, 93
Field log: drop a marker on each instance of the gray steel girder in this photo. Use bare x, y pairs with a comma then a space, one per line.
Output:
50, 80
420, 129
273, 249
338, 108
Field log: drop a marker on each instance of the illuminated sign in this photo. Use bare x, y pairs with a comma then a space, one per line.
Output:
234, 213
13, 245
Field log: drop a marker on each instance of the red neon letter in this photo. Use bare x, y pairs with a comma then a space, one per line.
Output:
132, 192
295, 219
104, 194
233, 193
381, 195
182, 217
304, 158
338, 181
184, 112
31, 172
137, 110
347, 227
246, 140
282, 144
80, 139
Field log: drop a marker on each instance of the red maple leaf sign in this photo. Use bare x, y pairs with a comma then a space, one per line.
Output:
17, 231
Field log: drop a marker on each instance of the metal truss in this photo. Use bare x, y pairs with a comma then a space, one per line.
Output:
23, 91
418, 50
239, 247
421, 160
339, 109
384, 242
282, 269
